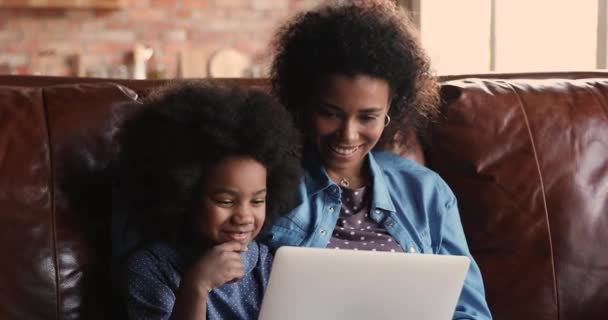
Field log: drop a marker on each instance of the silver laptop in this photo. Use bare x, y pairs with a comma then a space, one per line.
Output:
312, 283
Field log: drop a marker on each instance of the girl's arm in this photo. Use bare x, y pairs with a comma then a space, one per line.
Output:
219, 265
190, 302
149, 283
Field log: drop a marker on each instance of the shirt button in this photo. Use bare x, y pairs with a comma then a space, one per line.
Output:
377, 214
412, 249
323, 232
390, 223
331, 209
334, 189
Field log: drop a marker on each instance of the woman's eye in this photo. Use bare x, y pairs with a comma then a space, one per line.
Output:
327, 113
366, 119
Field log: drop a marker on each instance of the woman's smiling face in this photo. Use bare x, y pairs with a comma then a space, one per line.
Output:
348, 119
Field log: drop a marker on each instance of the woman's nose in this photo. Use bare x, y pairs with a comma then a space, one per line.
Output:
349, 131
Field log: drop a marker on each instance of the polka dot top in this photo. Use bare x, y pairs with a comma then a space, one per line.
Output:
154, 274
355, 229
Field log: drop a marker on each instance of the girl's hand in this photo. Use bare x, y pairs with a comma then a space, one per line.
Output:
219, 265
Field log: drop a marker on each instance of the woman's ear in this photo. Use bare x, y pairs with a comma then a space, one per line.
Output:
302, 117
390, 102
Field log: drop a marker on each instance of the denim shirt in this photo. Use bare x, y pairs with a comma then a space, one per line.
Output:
412, 202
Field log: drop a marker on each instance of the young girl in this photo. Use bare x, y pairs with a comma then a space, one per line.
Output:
202, 167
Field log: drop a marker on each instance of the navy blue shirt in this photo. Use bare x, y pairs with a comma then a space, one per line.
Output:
154, 274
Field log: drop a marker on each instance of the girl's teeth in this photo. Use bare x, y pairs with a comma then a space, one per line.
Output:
237, 235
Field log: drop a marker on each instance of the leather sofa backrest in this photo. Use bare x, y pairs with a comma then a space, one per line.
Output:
527, 159
56, 248
28, 288
528, 162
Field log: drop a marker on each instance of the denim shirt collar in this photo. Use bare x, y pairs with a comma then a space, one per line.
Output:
317, 180
381, 197
316, 177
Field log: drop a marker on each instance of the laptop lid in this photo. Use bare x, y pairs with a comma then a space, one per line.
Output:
314, 283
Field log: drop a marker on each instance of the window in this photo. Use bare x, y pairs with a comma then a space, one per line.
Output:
473, 36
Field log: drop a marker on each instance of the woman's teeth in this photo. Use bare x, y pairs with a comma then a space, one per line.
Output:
344, 151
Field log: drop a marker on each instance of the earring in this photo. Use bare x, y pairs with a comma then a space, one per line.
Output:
387, 120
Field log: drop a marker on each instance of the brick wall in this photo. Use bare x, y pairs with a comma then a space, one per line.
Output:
56, 41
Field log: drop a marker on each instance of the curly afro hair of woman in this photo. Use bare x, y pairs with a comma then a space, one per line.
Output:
183, 129
370, 37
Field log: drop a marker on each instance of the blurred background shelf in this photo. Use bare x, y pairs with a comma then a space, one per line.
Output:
98, 4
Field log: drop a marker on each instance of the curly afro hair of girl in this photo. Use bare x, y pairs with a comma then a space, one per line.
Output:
168, 146
370, 37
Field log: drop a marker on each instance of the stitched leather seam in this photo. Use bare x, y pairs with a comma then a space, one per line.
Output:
53, 211
544, 194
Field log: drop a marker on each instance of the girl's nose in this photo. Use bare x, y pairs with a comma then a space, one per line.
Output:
243, 215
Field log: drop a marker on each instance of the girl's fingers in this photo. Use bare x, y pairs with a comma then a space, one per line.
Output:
234, 246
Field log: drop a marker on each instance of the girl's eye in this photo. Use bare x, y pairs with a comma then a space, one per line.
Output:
258, 202
225, 203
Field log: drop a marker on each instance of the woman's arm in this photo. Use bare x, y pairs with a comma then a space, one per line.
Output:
449, 238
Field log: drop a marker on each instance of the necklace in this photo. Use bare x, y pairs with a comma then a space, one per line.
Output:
344, 183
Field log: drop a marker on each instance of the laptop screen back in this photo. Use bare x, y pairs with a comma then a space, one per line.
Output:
313, 283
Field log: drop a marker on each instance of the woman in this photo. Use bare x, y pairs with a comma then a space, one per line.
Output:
353, 74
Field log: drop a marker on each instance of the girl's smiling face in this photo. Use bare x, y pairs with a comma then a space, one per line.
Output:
348, 119
233, 205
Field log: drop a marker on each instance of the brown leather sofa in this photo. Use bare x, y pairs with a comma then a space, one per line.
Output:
526, 155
